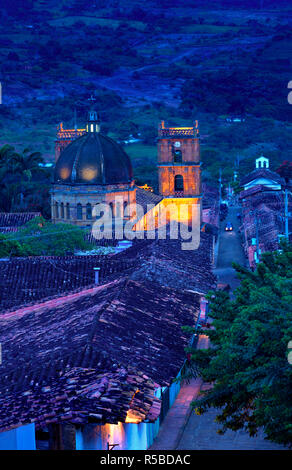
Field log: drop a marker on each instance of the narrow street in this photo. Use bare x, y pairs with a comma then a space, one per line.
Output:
230, 250
182, 428
200, 432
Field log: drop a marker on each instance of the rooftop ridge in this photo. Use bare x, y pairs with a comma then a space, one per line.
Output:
56, 301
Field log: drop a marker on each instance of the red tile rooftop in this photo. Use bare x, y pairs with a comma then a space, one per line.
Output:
58, 355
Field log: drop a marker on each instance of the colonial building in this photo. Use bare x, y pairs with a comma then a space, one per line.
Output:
262, 175
179, 175
90, 169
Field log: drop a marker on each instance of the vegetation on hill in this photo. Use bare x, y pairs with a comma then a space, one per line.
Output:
226, 64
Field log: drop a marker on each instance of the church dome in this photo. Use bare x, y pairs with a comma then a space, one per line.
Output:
93, 159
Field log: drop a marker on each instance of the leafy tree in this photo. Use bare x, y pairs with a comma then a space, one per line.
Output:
285, 170
248, 361
9, 247
6, 153
28, 162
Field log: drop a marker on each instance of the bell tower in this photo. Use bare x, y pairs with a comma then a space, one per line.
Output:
179, 167
179, 171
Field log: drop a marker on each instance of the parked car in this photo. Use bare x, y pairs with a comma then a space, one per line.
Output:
228, 227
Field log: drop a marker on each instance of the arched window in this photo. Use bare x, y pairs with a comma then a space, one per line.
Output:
177, 156
178, 183
79, 211
88, 211
67, 210
62, 211
57, 210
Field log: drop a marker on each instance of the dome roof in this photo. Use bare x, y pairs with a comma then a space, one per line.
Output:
93, 159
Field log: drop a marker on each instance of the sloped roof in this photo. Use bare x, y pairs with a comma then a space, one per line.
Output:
147, 197
11, 220
165, 263
262, 173
258, 188
31, 279
28, 280
82, 357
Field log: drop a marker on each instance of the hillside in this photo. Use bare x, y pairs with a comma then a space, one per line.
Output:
145, 62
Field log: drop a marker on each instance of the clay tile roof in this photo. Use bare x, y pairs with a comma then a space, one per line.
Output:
24, 281
146, 197
165, 263
12, 220
82, 357
262, 173
27, 280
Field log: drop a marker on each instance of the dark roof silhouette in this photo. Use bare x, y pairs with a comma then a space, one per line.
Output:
262, 173
93, 159
11, 221
81, 358
25, 281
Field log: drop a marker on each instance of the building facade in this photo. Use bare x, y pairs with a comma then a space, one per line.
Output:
179, 171
90, 169
179, 176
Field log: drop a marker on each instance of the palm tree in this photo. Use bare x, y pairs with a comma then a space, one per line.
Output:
7, 152
26, 164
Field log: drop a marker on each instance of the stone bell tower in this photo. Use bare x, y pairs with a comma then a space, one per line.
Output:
179, 170
179, 174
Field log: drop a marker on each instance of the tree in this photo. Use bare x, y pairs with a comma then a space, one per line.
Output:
26, 164
248, 364
6, 154
9, 247
285, 170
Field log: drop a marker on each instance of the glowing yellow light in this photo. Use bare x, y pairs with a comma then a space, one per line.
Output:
132, 417
167, 210
64, 173
89, 174
180, 128
113, 434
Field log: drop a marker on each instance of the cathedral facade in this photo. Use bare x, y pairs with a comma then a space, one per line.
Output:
90, 168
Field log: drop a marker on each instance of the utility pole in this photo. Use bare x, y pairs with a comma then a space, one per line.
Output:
257, 235
220, 189
286, 215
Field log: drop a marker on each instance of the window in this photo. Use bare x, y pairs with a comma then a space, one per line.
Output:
177, 156
67, 210
62, 211
57, 210
178, 183
88, 211
79, 211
